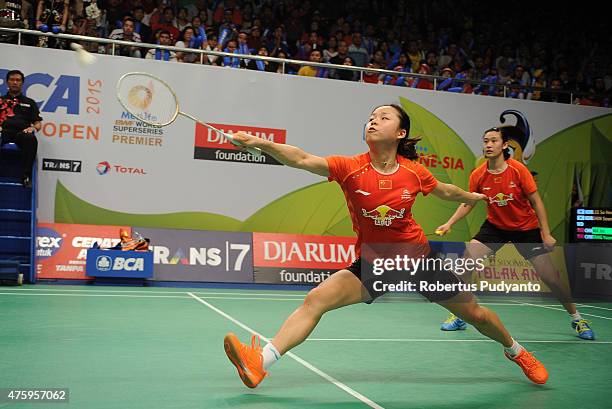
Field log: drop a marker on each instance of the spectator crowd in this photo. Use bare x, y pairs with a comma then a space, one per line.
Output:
458, 41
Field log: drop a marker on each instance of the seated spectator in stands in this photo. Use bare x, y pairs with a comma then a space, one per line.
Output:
165, 38
423, 83
182, 19
331, 50
243, 44
515, 90
141, 28
539, 80
212, 45
314, 40
555, 85
378, 58
260, 65
308, 71
415, 55
447, 81
432, 62
447, 55
277, 66
255, 41
90, 24
233, 62
520, 75
114, 13
340, 57
391, 58
504, 64
187, 40
480, 69
372, 77
369, 39
346, 75
199, 32
227, 29
126, 33
403, 65
227, 10
278, 40
357, 51
167, 22
597, 96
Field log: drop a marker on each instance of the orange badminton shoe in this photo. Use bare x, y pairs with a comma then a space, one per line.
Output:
247, 359
534, 369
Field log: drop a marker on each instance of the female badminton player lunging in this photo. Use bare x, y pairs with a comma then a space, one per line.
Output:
378, 179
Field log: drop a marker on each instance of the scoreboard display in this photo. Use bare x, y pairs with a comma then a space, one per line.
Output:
591, 225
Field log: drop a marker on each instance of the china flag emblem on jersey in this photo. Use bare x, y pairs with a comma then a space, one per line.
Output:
385, 184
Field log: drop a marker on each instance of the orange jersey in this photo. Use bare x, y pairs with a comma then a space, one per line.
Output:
380, 205
509, 207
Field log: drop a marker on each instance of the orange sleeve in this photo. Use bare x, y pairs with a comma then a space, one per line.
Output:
428, 181
527, 181
339, 168
474, 181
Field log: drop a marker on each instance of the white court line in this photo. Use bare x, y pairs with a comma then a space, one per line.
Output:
594, 306
296, 358
300, 296
246, 293
561, 309
144, 296
90, 295
453, 340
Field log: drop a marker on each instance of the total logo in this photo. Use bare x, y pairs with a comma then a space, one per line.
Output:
105, 167
105, 263
48, 242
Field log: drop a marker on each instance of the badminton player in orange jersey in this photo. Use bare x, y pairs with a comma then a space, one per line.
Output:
515, 213
374, 184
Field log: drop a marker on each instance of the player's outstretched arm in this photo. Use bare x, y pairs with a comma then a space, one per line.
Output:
463, 210
446, 191
286, 154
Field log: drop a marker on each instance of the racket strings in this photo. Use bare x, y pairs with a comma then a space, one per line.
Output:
147, 98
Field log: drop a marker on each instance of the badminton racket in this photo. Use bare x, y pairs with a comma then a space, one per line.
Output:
153, 101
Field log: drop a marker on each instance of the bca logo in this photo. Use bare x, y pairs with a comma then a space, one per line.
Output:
129, 264
103, 263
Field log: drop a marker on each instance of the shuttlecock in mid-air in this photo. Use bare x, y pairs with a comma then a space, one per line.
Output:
84, 58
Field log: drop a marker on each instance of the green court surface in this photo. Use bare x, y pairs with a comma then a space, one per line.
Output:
118, 347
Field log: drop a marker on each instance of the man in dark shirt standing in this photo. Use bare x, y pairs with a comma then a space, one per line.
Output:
21, 119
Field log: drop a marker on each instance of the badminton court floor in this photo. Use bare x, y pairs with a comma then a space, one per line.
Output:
152, 347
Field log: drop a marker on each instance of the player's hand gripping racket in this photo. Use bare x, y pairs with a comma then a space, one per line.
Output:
152, 101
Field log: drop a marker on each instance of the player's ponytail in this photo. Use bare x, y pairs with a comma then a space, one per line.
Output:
407, 145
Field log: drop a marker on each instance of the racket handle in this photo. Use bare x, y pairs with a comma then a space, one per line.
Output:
250, 149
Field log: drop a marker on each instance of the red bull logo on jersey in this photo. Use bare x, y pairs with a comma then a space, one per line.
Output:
501, 199
383, 215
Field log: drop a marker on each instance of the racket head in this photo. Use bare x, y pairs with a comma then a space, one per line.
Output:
148, 98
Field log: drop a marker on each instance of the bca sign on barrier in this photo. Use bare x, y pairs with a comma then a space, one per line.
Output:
122, 264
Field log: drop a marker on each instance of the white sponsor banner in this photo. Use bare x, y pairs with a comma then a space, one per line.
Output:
129, 167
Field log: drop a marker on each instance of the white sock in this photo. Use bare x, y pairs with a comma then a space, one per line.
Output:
270, 355
514, 349
576, 316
